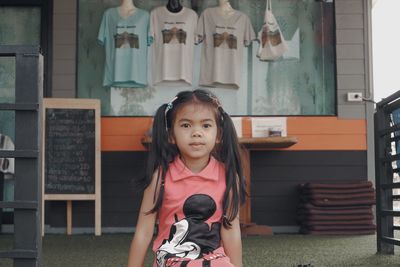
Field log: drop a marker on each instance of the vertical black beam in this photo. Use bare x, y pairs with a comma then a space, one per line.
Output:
383, 175
29, 87
387, 194
378, 186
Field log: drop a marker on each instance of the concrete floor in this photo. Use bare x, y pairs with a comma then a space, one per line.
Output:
274, 251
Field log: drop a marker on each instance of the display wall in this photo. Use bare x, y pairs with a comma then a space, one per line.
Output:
302, 82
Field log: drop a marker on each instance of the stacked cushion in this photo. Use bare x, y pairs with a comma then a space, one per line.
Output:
333, 209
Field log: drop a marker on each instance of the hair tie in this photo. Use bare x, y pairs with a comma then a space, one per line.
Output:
217, 103
170, 105
215, 100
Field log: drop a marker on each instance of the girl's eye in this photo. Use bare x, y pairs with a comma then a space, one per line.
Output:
207, 125
185, 125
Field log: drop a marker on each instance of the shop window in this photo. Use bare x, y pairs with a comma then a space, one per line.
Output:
7, 95
19, 26
302, 82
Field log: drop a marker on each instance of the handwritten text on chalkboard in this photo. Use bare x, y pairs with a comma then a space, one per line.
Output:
70, 151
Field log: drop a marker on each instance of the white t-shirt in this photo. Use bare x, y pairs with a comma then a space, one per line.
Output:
173, 42
224, 38
6, 164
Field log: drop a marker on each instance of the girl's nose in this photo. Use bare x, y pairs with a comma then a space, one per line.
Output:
196, 133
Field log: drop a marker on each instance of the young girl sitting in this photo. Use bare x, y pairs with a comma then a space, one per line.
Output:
194, 186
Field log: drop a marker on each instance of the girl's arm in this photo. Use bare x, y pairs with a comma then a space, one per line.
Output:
232, 242
144, 227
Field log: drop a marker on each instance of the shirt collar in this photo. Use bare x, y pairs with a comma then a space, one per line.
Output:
179, 171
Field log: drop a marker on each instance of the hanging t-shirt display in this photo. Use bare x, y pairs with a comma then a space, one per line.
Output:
173, 37
125, 42
224, 38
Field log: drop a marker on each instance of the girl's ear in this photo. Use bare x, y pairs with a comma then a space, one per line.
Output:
171, 138
219, 136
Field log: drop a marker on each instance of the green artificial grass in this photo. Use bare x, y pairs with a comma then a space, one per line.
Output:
275, 251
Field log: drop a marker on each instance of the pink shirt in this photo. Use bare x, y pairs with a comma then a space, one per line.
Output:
180, 184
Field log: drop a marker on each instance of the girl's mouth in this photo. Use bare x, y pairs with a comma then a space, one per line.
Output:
196, 144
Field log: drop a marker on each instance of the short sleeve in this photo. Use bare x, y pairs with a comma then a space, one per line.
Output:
200, 31
249, 34
102, 36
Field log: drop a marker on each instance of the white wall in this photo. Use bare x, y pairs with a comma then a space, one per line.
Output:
64, 48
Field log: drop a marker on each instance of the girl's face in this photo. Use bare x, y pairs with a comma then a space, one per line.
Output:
194, 131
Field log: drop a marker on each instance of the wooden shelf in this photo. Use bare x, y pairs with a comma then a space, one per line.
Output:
252, 142
267, 142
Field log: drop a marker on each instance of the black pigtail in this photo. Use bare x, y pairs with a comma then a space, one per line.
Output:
160, 155
235, 193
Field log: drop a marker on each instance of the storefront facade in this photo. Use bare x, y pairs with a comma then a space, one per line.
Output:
334, 135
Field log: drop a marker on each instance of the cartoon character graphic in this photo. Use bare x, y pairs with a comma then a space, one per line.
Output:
191, 237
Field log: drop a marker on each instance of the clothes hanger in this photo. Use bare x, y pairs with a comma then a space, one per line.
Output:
174, 6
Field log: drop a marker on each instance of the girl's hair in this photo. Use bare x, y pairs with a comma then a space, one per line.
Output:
163, 152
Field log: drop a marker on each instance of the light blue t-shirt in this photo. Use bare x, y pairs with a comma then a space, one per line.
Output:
125, 42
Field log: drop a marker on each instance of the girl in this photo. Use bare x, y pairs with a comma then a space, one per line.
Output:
194, 186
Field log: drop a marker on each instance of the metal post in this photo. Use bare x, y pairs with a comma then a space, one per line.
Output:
383, 222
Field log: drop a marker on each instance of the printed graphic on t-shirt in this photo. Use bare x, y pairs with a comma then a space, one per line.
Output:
174, 35
274, 37
126, 39
229, 39
191, 237
224, 39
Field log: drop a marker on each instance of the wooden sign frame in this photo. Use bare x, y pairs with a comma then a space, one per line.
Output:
85, 104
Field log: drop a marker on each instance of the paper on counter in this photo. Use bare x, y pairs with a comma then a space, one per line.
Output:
268, 127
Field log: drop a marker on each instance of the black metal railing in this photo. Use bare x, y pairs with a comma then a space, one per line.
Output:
27, 154
387, 168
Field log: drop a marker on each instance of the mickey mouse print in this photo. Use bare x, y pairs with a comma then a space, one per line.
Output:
190, 238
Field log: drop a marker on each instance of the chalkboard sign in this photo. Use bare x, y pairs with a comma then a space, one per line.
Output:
71, 158
70, 151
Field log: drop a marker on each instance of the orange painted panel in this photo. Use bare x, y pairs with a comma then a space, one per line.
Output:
330, 142
122, 143
326, 125
316, 125
313, 133
124, 134
125, 125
